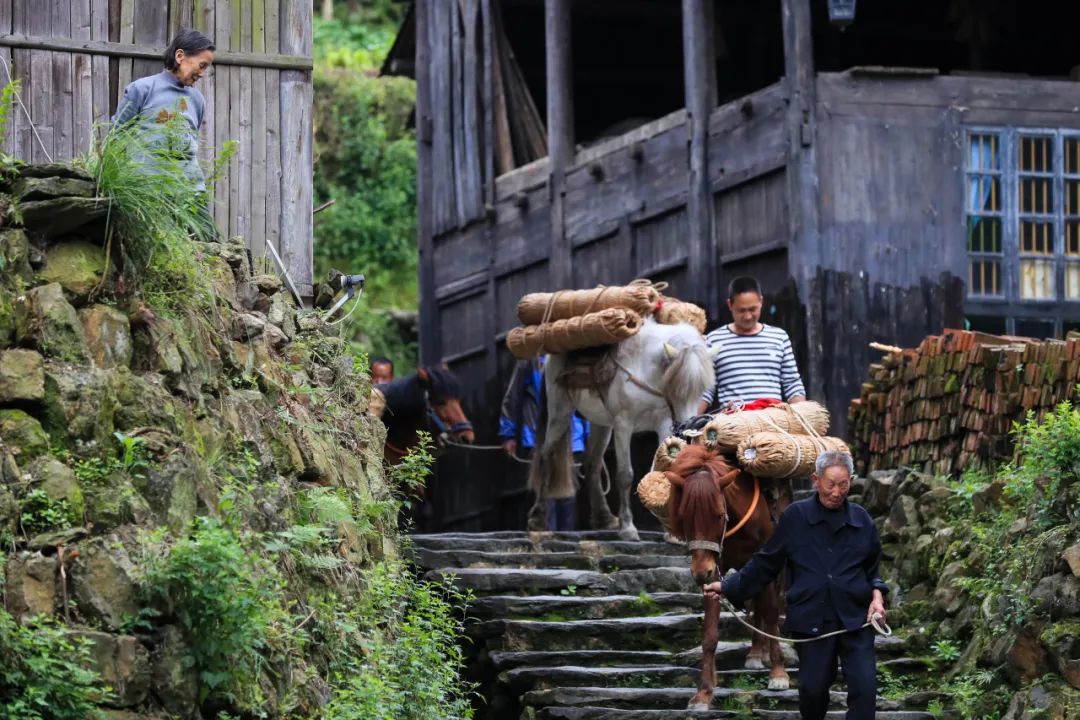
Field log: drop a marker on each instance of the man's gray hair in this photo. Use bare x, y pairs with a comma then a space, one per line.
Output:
834, 458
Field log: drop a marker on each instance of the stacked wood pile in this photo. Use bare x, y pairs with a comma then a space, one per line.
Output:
949, 404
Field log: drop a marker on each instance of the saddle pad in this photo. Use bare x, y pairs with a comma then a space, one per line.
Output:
588, 369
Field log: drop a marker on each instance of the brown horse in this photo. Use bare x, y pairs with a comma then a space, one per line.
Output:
720, 512
427, 400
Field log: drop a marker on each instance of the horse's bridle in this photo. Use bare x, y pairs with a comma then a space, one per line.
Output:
647, 388
442, 428
718, 548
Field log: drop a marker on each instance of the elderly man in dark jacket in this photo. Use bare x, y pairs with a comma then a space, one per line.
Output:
833, 551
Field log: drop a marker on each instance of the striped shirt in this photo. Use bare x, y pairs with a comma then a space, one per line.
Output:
753, 367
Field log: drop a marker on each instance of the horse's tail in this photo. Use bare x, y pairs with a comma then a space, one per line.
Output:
551, 475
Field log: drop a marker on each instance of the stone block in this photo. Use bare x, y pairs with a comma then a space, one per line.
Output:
30, 585
876, 494
47, 188
22, 434
103, 582
61, 216
77, 266
108, 336
175, 681
122, 663
15, 254
1072, 557
58, 481
22, 376
79, 404
45, 319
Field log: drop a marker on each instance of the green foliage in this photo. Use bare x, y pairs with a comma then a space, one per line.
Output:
412, 472
893, 685
935, 708
569, 590
366, 163
43, 673
946, 651
39, 512
227, 601
153, 207
397, 655
1048, 463
7, 105
977, 695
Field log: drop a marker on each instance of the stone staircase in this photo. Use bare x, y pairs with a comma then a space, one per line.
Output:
583, 626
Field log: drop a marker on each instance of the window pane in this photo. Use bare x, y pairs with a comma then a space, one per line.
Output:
1037, 279
1072, 237
991, 324
1072, 197
983, 152
1036, 237
1072, 155
1036, 155
984, 193
1072, 281
1036, 195
1038, 329
984, 277
984, 234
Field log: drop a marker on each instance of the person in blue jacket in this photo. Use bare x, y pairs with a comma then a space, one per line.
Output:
833, 552
521, 410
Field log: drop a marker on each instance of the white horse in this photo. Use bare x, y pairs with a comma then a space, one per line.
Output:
660, 374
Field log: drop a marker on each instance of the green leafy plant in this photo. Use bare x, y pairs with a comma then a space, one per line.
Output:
935, 708
412, 472
7, 104
132, 454
569, 590
946, 651
44, 675
39, 512
227, 602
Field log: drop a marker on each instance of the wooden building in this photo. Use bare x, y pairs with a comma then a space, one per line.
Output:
73, 59
914, 170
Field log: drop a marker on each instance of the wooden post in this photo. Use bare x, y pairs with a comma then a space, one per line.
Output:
296, 144
802, 180
430, 349
699, 76
560, 119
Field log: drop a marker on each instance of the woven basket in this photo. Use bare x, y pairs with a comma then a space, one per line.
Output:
725, 432
606, 327
782, 455
535, 308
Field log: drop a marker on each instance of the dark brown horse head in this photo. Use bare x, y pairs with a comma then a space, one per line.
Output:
697, 507
444, 393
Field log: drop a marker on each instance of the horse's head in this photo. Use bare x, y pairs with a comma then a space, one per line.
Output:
687, 368
697, 509
444, 393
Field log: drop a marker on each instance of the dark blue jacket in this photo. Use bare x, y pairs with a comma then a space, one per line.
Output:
834, 557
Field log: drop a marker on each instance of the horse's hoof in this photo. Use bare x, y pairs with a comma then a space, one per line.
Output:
698, 706
754, 663
630, 534
779, 683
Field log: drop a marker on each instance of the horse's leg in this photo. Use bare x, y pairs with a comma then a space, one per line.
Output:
768, 604
625, 475
755, 659
600, 517
702, 699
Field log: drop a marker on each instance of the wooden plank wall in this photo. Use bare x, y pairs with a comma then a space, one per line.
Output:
624, 215
258, 94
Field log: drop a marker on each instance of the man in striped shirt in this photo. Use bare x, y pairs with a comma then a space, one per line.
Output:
754, 362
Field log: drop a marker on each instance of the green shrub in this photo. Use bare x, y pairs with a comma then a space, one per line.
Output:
226, 600
43, 673
39, 512
396, 655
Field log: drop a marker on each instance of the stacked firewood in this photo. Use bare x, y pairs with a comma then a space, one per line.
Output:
949, 404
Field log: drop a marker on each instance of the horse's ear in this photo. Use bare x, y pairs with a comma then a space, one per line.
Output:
725, 480
675, 479
425, 378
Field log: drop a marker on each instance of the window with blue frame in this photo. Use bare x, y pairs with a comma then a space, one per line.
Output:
1022, 220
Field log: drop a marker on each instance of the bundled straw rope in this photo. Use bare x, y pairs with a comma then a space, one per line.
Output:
783, 455
667, 452
725, 432
654, 491
606, 327
640, 296
377, 404
674, 311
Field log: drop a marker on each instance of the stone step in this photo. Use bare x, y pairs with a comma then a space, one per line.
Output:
672, 633
592, 548
573, 560
579, 607
525, 581
676, 698
576, 535
527, 678
604, 713
729, 656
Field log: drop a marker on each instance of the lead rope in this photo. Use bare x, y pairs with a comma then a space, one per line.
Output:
877, 621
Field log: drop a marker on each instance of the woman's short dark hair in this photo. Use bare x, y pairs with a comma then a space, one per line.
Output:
192, 42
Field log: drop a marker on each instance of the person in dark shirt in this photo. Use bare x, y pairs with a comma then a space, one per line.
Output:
833, 551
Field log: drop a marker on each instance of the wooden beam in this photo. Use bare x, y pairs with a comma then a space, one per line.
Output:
699, 76
802, 186
430, 347
560, 131
145, 52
